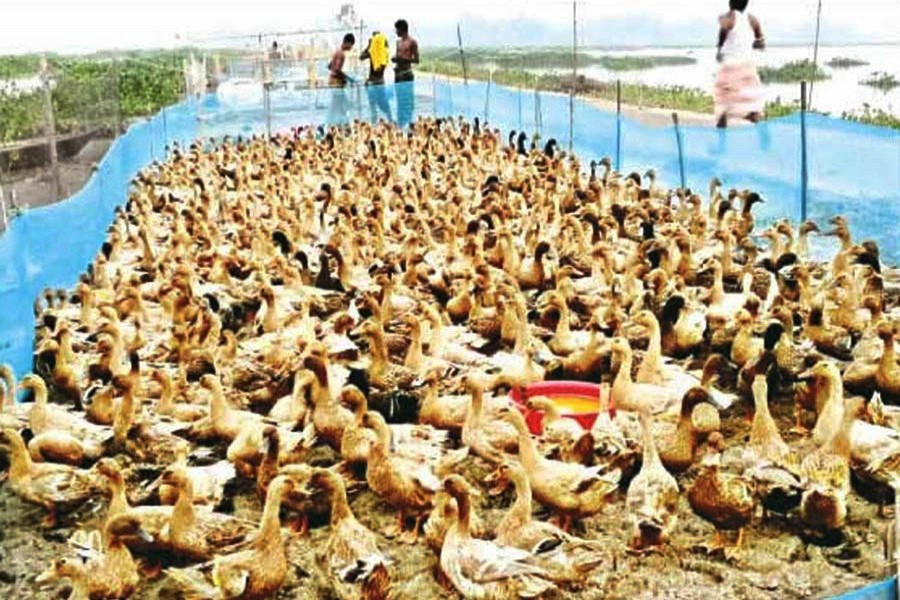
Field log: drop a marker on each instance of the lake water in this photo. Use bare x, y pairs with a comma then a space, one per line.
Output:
840, 93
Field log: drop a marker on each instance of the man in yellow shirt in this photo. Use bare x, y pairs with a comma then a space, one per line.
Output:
377, 53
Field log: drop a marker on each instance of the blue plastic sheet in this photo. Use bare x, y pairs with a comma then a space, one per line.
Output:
854, 170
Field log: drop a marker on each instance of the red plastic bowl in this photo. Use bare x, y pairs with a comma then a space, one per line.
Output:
551, 389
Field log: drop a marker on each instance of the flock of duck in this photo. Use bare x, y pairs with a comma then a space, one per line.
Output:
350, 310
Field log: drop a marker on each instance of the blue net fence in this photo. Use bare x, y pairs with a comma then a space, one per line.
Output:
854, 170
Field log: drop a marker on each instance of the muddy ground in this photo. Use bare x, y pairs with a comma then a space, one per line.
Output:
778, 560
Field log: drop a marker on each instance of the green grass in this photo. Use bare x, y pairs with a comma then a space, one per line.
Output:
674, 97
873, 116
881, 81
840, 62
793, 72
552, 58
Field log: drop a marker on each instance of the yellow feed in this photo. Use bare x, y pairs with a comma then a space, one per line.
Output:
576, 405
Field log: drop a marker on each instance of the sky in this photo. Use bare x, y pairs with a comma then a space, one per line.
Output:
82, 26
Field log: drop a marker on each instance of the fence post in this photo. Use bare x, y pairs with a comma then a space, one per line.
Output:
462, 55
680, 144
3, 217
434, 101
117, 96
487, 96
618, 124
50, 124
267, 107
804, 173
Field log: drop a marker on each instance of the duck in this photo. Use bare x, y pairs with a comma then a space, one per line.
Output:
556, 429
745, 348
227, 422
328, 416
102, 570
652, 497
194, 535
682, 329
59, 488
680, 449
254, 573
571, 490
628, 395
566, 558
406, 484
768, 460
482, 433
207, 481
725, 500
481, 568
356, 567
826, 476
166, 405
887, 377
532, 273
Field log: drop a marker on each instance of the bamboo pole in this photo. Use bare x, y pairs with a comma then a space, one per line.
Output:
462, 55
50, 124
815, 64
804, 169
574, 75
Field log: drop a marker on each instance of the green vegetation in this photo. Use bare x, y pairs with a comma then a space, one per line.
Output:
552, 58
640, 63
778, 108
675, 97
873, 116
25, 65
881, 81
793, 72
840, 62
89, 92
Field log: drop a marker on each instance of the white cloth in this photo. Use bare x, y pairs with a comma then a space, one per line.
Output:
738, 46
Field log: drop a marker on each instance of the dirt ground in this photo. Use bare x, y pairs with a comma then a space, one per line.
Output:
778, 560
35, 187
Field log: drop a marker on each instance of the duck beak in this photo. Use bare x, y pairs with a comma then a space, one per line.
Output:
46, 577
806, 376
830, 232
144, 535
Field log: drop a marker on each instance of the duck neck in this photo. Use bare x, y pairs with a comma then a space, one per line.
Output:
379, 348
9, 393
218, 408
19, 460
550, 410
520, 512
527, 451
763, 425
840, 442
270, 318
167, 396
270, 524
183, 514
563, 327
651, 455
623, 377
414, 353
40, 394
119, 501
124, 417
340, 508
464, 506
889, 356
654, 346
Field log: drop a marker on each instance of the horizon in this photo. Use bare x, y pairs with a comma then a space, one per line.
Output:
76, 27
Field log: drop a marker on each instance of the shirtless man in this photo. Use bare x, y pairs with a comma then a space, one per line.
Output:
407, 53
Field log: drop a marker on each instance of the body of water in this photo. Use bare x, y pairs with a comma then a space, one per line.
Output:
840, 93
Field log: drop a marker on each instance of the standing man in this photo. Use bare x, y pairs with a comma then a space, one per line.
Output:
377, 53
336, 75
337, 80
407, 53
406, 56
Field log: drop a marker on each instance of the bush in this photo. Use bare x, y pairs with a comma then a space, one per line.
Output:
793, 72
